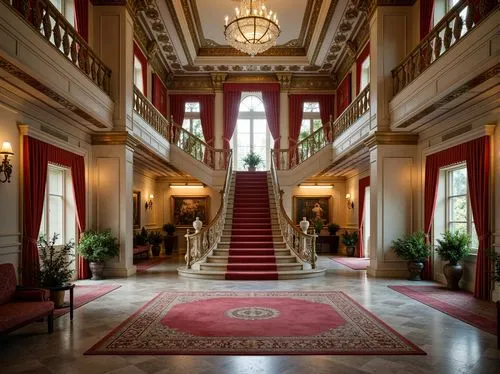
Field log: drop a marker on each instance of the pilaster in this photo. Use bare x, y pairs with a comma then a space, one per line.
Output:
218, 80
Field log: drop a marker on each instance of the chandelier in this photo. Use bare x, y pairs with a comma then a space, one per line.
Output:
254, 28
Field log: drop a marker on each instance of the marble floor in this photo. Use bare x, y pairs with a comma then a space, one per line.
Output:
451, 345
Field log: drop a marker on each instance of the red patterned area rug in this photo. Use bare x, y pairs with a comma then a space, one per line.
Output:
144, 265
84, 294
459, 304
253, 323
354, 263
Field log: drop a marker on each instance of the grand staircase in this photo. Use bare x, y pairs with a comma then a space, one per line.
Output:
251, 246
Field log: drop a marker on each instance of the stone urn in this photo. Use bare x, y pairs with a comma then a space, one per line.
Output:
350, 251
97, 269
415, 268
453, 274
304, 225
197, 224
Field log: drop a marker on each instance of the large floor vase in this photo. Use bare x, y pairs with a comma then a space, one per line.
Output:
415, 268
97, 269
453, 274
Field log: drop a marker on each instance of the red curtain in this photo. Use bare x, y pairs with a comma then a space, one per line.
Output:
207, 113
36, 156
272, 105
344, 94
82, 18
362, 184
295, 110
326, 111
144, 62
159, 95
476, 154
231, 108
426, 11
359, 61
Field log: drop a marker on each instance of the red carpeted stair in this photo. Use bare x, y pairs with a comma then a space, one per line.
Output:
251, 250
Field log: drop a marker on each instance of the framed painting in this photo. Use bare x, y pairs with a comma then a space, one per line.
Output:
136, 210
311, 207
185, 209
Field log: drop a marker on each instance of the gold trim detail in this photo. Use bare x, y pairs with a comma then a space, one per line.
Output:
391, 138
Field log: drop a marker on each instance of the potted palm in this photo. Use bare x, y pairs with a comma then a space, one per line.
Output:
414, 249
252, 160
350, 240
453, 247
95, 247
155, 238
55, 265
169, 239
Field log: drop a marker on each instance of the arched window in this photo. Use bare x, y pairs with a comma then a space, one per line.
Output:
251, 133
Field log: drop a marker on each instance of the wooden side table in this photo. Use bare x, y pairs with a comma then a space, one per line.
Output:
70, 287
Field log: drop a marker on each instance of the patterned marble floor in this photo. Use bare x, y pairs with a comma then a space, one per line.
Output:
451, 345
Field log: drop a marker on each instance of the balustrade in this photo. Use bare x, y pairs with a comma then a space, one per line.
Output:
53, 26
217, 159
457, 23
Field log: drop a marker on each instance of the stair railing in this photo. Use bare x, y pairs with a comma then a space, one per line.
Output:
216, 159
303, 245
200, 244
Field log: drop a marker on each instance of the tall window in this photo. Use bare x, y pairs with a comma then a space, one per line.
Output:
311, 120
458, 208
365, 74
66, 8
59, 212
441, 7
251, 133
192, 121
138, 80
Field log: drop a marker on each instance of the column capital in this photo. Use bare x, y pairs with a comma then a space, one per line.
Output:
285, 80
218, 80
391, 138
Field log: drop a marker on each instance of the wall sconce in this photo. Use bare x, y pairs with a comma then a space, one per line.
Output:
186, 185
315, 185
6, 167
350, 203
149, 203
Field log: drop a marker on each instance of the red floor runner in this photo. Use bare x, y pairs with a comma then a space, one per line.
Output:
251, 253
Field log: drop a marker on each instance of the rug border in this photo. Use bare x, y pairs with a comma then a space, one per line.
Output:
347, 266
92, 350
430, 304
90, 300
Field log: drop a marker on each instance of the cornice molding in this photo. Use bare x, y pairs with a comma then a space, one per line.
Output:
114, 138
133, 6
391, 138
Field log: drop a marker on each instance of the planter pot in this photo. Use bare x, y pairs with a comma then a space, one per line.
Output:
97, 269
415, 268
251, 168
168, 242
350, 251
453, 274
58, 298
155, 249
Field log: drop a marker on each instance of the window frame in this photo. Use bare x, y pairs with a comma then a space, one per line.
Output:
361, 87
311, 117
192, 117
449, 196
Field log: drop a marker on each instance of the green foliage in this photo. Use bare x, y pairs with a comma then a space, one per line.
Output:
252, 160
141, 238
96, 246
333, 228
155, 238
412, 247
350, 239
318, 225
303, 135
454, 246
54, 262
169, 228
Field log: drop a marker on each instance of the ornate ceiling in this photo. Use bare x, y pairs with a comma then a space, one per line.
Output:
316, 38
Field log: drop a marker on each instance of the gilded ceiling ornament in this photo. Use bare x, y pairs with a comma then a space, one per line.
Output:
158, 26
350, 48
152, 13
163, 38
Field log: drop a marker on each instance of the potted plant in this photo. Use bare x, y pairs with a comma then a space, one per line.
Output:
169, 239
415, 250
95, 247
333, 228
453, 247
155, 238
252, 160
350, 240
318, 226
55, 265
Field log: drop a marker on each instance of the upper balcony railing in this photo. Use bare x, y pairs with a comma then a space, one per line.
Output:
217, 159
455, 25
53, 26
306, 148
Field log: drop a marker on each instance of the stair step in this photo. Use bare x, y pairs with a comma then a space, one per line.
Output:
251, 238
221, 275
251, 259
251, 251
224, 267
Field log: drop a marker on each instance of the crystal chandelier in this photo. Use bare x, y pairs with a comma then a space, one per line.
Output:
254, 29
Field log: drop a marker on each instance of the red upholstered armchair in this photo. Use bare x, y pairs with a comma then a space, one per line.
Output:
19, 307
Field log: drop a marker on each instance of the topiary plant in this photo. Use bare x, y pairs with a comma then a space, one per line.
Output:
412, 247
96, 246
454, 246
